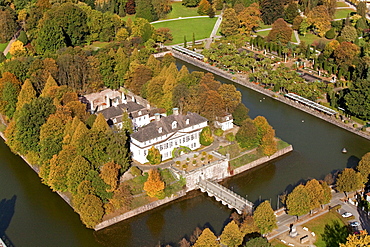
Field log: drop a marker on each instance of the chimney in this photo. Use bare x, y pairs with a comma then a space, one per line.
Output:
107, 101
157, 116
175, 111
123, 98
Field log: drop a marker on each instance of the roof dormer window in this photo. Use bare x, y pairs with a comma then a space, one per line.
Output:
139, 113
174, 125
160, 130
187, 121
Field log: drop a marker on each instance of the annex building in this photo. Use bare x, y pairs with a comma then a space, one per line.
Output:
166, 134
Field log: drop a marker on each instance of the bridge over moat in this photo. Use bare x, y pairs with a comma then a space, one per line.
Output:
226, 196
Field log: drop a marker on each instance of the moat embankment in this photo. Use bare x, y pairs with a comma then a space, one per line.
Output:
243, 81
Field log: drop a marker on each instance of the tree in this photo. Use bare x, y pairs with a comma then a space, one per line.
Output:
230, 96
348, 33
91, 210
258, 242
271, 10
154, 185
320, 19
162, 7
26, 95
109, 173
230, 23
266, 135
206, 137
326, 193
240, 114
364, 166
247, 135
356, 100
280, 32
31, 117
190, 3
154, 156
265, 218
17, 48
203, 7
345, 53
213, 105
291, 12
206, 239
357, 240
144, 9
298, 201
349, 180
231, 235
8, 24
361, 9
315, 193
9, 90
250, 18
77, 173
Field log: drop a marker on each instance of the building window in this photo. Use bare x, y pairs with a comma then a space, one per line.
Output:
165, 145
187, 121
144, 152
174, 124
187, 138
171, 144
160, 130
192, 136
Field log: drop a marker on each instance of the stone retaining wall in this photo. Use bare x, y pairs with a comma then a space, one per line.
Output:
262, 160
139, 210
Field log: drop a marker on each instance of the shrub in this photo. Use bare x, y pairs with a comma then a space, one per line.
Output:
135, 171
346, 121
194, 162
218, 132
335, 208
354, 125
330, 34
206, 137
230, 137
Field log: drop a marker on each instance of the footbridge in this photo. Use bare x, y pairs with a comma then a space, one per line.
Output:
226, 196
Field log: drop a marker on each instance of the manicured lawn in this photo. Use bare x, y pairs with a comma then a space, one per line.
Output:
133, 17
329, 229
309, 38
263, 26
263, 33
342, 13
201, 27
341, 4
179, 10
3, 46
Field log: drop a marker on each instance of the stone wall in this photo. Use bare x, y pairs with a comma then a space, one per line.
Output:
262, 160
139, 210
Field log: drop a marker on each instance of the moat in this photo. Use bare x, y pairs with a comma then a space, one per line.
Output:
39, 217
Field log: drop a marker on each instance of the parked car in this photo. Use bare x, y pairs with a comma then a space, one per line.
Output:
346, 215
354, 224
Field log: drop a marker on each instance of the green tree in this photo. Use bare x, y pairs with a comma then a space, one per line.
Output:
266, 136
203, 7
258, 242
240, 114
265, 218
231, 235
145, 9
271, 10
361, 9
348, 33
298, 201
206, 137
230, 23
349, 180
326, 193
206, 239
91, 210
364, 166
247, 135
77, 173
356, 100
31, 117
26, 95
154, 156
190, 3
357, 240
320, 19
291, 12
345, 53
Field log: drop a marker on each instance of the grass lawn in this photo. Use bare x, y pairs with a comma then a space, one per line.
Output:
309, 38
329, 229
179, 10
3, 46
263, 33
201, 27
341, 4
263, 26
342, 13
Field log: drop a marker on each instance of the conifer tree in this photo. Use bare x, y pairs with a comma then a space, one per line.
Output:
231, 235
26, 95
77, 173
154, 186
206, 239
265, 218
109, 173
230, 23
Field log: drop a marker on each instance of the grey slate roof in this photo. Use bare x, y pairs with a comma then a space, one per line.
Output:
116, 111
150, 131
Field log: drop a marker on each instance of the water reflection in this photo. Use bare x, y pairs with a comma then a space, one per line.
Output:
7, 210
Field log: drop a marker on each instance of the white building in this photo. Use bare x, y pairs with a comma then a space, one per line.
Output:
166, 134
224, 122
